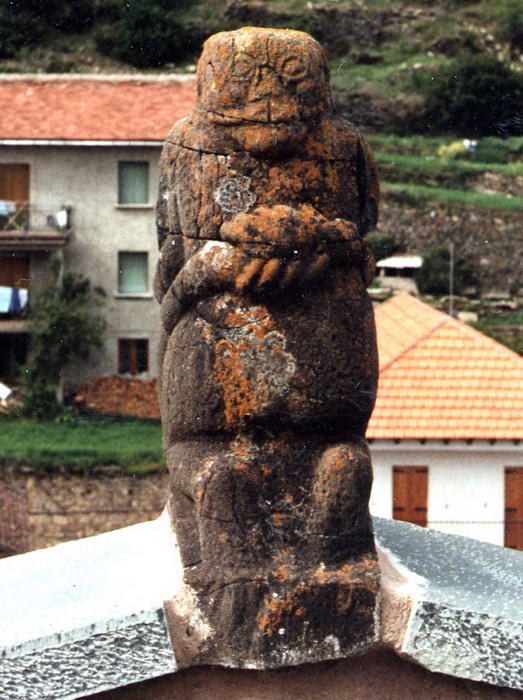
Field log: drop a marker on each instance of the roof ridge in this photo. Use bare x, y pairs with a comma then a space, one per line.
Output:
99, 77
409, 347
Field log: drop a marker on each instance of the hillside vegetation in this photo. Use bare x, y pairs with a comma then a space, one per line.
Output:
436, 87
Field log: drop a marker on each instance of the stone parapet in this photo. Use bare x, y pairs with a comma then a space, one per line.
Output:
89, 616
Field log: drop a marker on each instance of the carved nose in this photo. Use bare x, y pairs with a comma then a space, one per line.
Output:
268, 84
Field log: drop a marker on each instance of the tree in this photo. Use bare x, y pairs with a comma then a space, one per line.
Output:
149, 34
26, 23
66, 325
475, 96
433, 275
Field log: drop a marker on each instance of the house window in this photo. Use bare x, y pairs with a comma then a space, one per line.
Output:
409, 494
514, 507
14, 270
133, 277
133, 182
133, 355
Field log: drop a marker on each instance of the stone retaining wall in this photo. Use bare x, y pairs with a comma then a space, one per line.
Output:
40, 509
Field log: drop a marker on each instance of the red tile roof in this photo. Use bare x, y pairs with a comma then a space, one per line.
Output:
440, 378
120, 109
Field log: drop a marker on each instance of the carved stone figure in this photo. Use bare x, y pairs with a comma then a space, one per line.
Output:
268, 373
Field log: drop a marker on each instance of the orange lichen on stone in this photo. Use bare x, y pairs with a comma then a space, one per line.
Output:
239, 394
282, 573
248, 273
199, 494
235, 319
240, 466
270, 271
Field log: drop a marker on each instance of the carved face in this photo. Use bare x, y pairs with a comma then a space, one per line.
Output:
256, 76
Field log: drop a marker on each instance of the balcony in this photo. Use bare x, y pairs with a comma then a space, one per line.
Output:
27, 227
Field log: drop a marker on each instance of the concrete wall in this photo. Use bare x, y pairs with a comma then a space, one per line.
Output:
86, 178
466, 483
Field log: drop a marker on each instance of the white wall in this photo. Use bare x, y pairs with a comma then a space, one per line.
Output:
466, 482
87, 179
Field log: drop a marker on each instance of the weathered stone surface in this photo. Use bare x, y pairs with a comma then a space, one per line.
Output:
269, 361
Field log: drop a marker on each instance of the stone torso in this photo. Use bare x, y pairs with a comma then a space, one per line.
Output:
280, 358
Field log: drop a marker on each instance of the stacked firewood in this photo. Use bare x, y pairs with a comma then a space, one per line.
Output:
120, 396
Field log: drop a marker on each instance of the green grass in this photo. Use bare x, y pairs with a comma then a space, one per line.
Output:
408, 145
83, 443
413, 194
392, 76
432, 165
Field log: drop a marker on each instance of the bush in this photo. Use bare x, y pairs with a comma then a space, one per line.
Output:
509, 14
498, 150
475, 96
433, 275
149, 34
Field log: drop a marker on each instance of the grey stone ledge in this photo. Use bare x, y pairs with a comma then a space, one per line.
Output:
466, 603
88, 615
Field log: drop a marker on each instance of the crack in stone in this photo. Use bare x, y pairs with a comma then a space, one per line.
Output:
303, 159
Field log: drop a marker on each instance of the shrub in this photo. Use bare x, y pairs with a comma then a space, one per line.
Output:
475, 96
433, 275
498, 150
149, 34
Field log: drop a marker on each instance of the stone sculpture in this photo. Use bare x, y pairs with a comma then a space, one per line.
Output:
268, 373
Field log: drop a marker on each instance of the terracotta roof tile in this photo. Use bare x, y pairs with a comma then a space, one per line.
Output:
440, 378
125, 109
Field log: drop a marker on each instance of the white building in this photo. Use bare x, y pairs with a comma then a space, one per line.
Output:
398, 272
447, 427
88, 147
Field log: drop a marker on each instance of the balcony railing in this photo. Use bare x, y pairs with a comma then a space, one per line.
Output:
23, 216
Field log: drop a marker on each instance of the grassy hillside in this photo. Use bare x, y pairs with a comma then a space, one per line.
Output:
422, 79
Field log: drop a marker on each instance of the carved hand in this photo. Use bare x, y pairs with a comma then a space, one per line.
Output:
293, 245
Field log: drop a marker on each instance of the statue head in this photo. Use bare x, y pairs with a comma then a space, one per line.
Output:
265, 85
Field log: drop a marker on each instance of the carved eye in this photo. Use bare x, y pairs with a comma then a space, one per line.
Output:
294, 68
244, 66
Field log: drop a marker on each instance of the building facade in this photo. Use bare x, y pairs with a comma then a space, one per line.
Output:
78, 182
446, 432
